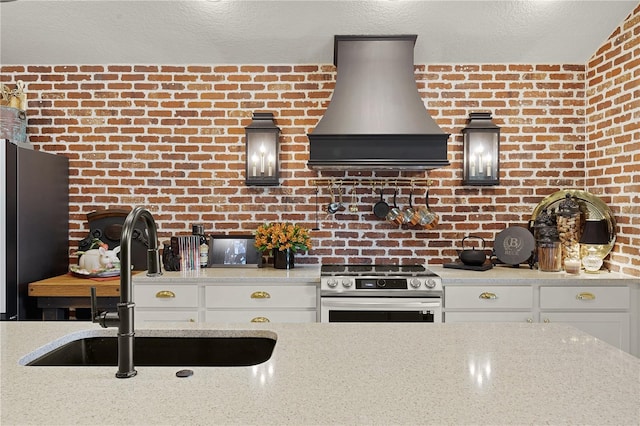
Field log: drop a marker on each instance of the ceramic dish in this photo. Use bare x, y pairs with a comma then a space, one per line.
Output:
76, 271
592, 208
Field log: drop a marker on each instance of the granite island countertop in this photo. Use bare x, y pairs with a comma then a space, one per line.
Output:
338, 374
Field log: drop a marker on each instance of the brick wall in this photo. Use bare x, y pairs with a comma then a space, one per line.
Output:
172, 138
613, 133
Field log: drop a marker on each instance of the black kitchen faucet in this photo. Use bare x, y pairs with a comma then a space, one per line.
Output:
123, 318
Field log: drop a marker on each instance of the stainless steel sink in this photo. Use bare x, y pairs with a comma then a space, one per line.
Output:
159, 351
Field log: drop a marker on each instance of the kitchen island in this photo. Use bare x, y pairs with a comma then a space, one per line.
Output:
337, 374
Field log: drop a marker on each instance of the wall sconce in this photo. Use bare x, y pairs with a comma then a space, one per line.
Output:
594, 235
481, 162
262, 139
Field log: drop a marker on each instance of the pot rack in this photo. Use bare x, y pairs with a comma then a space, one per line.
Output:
387, 182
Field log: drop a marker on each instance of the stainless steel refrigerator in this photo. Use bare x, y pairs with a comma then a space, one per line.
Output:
34, 225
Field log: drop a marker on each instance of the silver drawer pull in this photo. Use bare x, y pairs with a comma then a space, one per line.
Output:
585, 296
165, 294
260, 319
487, 295
260, 295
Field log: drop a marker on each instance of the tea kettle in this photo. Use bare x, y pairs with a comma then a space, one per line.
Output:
472, 257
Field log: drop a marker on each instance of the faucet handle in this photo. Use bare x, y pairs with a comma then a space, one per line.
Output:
99, 317
94, 305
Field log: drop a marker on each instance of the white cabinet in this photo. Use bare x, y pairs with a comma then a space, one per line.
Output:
612, 328
166, 302
488, 316
488, 303
584, 297
229, 295
602, 311
261, 303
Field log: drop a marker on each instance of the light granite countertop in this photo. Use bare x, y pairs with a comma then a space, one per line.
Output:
247, 274
338, 374
504, 274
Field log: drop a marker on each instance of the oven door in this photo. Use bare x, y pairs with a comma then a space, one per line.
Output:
380, 309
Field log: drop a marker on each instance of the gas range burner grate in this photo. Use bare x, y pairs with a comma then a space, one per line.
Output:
374, 270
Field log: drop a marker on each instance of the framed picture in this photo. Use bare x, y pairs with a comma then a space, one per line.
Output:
233, 250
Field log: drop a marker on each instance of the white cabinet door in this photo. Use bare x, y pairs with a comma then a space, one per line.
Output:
488, 297
260, 296
166, 296
584, 298
611, 327
488, 317
155, 315
261, 303
246, 316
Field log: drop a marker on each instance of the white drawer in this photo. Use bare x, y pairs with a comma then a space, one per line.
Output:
488, 297
598, 297
222, 316
166, 296
488, 317
280, 296
154, 315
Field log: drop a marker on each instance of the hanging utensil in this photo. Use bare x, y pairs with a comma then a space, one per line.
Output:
317, 227
333, 206
353, 208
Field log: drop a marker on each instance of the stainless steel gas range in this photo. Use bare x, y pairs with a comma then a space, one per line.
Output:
380, 293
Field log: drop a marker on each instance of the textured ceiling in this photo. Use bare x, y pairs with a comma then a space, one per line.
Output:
292, 32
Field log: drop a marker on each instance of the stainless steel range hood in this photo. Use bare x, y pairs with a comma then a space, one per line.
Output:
376, 118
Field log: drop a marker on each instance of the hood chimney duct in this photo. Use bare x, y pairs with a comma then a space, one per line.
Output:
376, 119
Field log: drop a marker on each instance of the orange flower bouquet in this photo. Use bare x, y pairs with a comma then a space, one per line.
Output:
282, 236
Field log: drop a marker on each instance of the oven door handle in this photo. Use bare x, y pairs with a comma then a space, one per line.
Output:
392, 305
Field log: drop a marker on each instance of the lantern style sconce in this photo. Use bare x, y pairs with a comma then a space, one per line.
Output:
481, 150
262, 139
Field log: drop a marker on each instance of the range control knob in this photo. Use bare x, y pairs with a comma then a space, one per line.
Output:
346, 282
381, 283
431, 283
332, 282
414, 282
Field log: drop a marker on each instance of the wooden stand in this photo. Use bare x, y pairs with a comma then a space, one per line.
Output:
60, 296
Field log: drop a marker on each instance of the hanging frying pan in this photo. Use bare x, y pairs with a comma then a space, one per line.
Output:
381, 208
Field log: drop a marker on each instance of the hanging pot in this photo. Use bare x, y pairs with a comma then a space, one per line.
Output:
472, 257
395, 214
381, 208
424, 216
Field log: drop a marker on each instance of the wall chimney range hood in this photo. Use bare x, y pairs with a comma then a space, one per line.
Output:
376, 119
